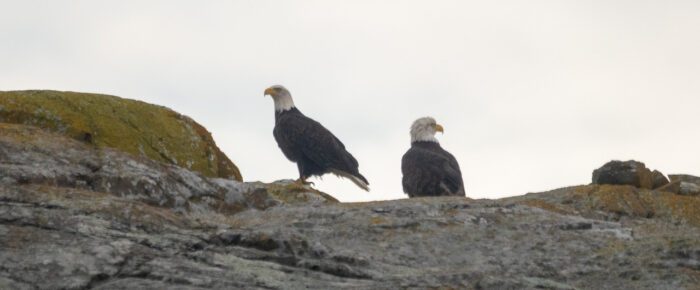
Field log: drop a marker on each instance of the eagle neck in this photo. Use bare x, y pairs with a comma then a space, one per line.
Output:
424, 143
424, 138
283, 102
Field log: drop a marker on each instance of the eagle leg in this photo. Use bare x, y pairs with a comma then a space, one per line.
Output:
302, 181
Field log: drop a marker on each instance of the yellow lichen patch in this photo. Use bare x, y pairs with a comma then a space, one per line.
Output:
128, 125
377, 220
681, 208
627, 200
582, 189
294, 193
623, 200
620, 200
451, 212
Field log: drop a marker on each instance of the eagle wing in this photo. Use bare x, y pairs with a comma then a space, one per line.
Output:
302, 137
454, 174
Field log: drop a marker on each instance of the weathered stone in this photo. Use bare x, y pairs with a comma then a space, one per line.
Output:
157, 226
127, 125
690, 189
690, 185
685, 178
659, 179
673, 187
624, 173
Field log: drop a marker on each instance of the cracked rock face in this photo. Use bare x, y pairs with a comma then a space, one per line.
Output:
75, 217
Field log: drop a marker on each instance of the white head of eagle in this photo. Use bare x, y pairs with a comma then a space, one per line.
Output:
424, 129
281, 96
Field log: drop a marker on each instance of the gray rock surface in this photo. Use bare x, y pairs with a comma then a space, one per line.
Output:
689, 184
624, 173
690, 189
72, 217
685, 178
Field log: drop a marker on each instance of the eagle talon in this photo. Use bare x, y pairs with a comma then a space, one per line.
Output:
302, 182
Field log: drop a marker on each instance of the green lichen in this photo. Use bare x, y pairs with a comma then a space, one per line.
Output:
132, 126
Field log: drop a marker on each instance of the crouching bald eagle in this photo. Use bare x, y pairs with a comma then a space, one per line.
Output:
315, 150
429, 170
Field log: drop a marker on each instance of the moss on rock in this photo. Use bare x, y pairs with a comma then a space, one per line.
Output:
132, 126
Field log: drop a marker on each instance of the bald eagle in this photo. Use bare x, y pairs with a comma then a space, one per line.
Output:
429, 170
315, 150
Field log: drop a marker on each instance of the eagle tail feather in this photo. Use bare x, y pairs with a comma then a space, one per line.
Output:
360, 181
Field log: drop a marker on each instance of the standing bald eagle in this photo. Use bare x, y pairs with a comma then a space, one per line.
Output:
315, 150
429, 170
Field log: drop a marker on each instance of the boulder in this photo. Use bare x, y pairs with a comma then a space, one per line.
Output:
127, 125
659, 179
689, 184
624, 173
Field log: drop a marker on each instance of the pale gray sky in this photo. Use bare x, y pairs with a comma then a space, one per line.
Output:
533, 95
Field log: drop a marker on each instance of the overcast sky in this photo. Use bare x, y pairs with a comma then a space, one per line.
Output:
533, 95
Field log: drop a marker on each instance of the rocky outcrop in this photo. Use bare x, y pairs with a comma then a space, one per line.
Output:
30, 156
77, 217
624, 173
127, 125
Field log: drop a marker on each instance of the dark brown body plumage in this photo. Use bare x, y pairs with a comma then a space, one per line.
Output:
429, 170
315, 150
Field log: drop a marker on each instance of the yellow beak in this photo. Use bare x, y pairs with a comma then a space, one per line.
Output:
269, 91
438, 128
